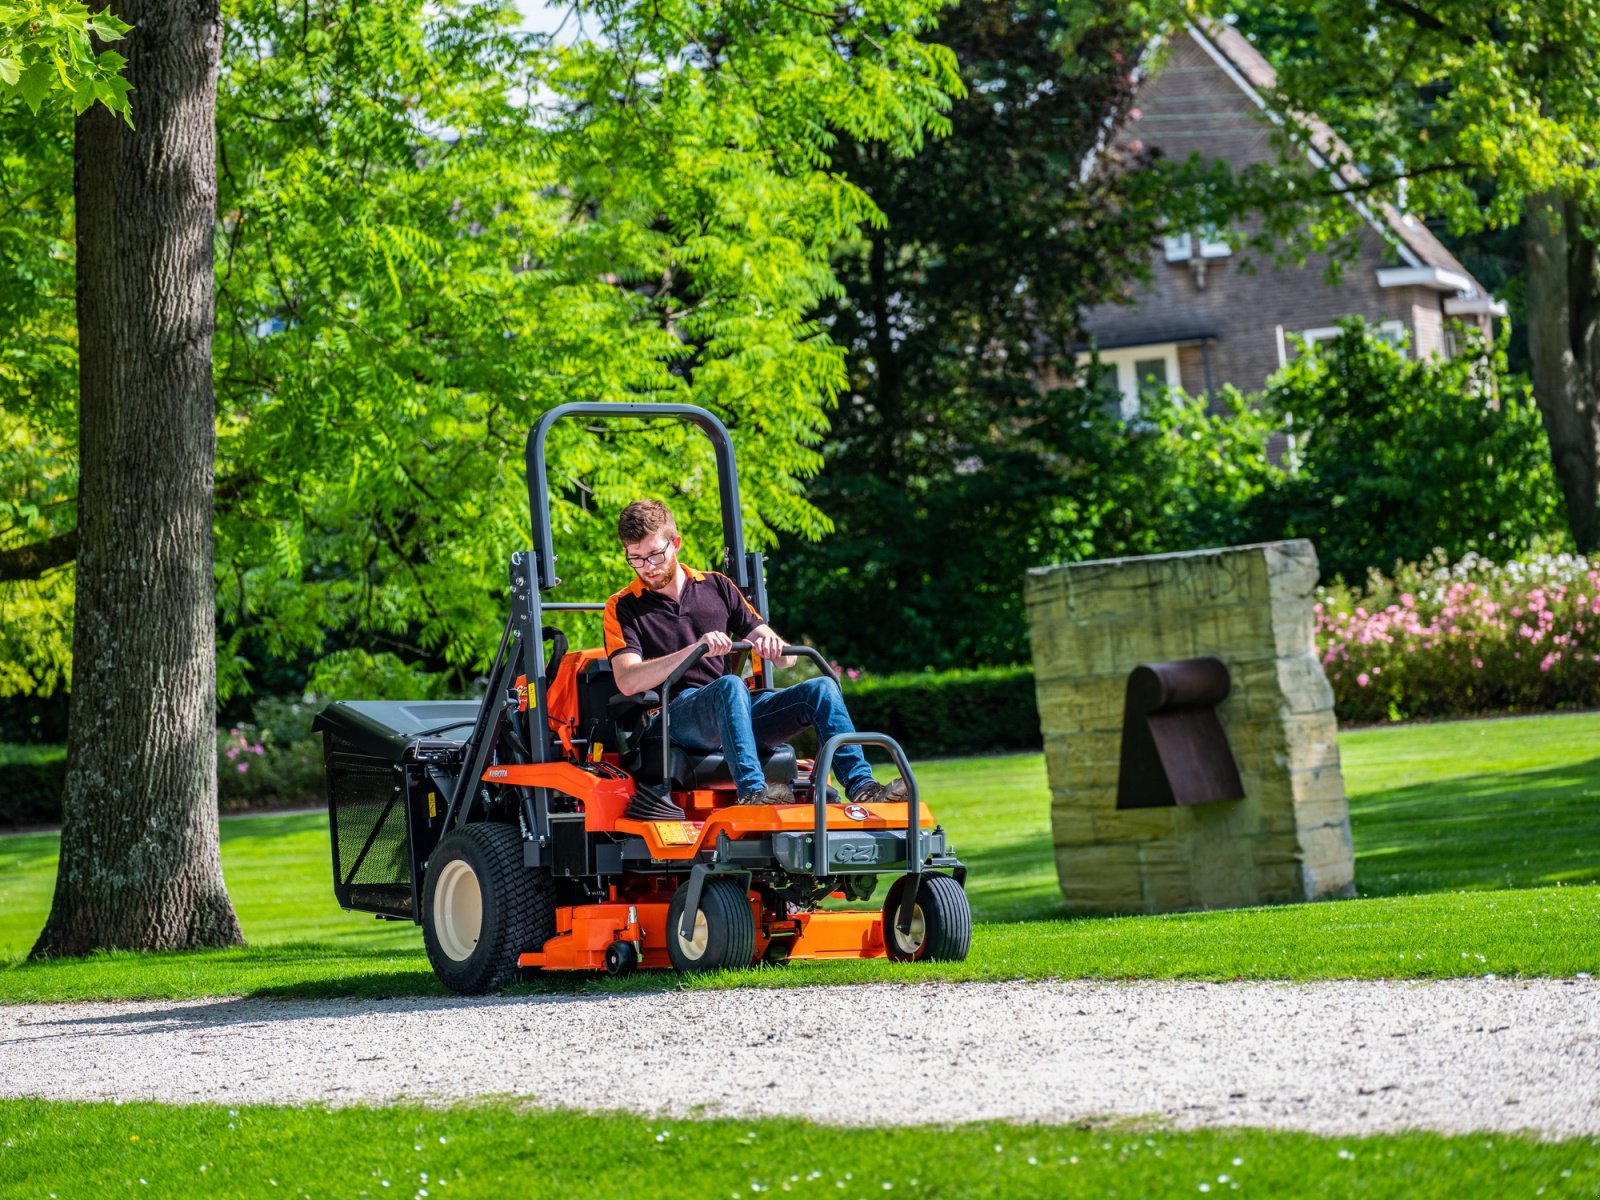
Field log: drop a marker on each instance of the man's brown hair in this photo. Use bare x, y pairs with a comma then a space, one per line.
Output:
642, 518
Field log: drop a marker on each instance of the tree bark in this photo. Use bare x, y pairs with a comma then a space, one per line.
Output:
140, 867
1564, 341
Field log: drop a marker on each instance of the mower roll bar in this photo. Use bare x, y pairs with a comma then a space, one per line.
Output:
727, 479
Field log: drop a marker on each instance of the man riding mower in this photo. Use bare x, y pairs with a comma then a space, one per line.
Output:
557, 824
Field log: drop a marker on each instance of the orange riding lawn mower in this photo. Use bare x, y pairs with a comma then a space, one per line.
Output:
499, 826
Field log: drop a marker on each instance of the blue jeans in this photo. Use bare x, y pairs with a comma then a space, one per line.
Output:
726, 715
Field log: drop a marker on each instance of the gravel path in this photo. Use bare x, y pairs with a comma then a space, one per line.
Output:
1342, 1057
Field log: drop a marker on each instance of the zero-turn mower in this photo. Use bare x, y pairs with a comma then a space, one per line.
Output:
499, 825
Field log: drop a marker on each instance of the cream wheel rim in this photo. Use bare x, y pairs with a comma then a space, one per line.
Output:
458, 911
695, 948
910, 941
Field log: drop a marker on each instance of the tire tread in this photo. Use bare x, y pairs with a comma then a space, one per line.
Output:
946, 916
524, 900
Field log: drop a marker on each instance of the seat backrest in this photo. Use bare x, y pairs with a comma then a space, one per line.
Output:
570, 699
596, 686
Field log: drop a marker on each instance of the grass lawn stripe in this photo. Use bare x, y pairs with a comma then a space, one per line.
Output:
496, 1148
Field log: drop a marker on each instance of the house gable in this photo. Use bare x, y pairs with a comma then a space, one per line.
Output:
1237, 326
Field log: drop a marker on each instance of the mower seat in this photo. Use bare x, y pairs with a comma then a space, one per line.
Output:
692, 771
687, 770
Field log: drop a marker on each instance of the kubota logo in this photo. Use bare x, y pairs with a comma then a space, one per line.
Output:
856, 812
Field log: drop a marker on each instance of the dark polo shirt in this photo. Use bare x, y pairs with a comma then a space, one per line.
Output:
652, 625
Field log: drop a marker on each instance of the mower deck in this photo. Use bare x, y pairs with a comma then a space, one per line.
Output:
584, 932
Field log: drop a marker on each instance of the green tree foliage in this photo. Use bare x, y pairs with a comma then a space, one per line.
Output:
955, 463
1483, 117
1397, 457
38, 415
415, 260
48, 57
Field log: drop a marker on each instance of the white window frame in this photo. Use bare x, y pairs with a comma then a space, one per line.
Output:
1180, 247
1122, 360
1391, 331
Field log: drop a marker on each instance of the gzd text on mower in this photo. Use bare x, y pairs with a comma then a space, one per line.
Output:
499, 825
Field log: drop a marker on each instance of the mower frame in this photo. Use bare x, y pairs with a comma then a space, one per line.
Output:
509, 769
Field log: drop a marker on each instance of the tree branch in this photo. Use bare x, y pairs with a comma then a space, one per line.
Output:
1423, 19
33, 560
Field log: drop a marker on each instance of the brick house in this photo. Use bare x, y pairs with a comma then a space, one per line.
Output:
1202, 322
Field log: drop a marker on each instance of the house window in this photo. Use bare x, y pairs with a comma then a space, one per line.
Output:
1138, 372
1393, 332
1180, 247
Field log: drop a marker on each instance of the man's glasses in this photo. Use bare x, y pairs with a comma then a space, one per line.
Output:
650, 561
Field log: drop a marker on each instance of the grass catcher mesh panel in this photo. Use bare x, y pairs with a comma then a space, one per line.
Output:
371, 848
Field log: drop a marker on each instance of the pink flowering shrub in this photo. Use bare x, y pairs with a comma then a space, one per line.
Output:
273, 760
1441, 639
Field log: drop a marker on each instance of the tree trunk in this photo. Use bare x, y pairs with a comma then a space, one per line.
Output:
140, 867
1564, 341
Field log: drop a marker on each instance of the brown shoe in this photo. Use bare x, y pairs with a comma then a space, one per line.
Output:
773, 793
880, 793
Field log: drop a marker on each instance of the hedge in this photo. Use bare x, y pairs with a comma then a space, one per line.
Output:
986, 710
32, 779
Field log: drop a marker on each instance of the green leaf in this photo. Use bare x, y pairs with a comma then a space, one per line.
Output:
10, 70
36, 83
108, 27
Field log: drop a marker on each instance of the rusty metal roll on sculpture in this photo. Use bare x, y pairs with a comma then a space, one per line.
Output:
1174, 749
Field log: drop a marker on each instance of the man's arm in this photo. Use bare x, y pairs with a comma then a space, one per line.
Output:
634, 674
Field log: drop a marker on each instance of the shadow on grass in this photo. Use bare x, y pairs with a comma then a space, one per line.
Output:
1012, 881
282, 971
1473, 833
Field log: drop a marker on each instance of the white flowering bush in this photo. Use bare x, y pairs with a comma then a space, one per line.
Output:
1450, 639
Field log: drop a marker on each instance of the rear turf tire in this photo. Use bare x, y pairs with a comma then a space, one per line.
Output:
724, 928
481, 908
941, 921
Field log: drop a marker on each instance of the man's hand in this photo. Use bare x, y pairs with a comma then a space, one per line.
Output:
716, 643
768, 645
766, 642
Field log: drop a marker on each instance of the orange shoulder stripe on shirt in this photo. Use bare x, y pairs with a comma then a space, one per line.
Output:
611, 626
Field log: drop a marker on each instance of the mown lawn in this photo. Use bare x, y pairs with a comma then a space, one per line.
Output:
1478, 851
1477, 843
499, 1148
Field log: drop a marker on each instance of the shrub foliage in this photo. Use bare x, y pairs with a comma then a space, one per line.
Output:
1438, 640
1397, 456
982, 711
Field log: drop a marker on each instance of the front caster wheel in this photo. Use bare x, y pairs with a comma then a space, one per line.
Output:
941, 922
622, 958
724, 928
